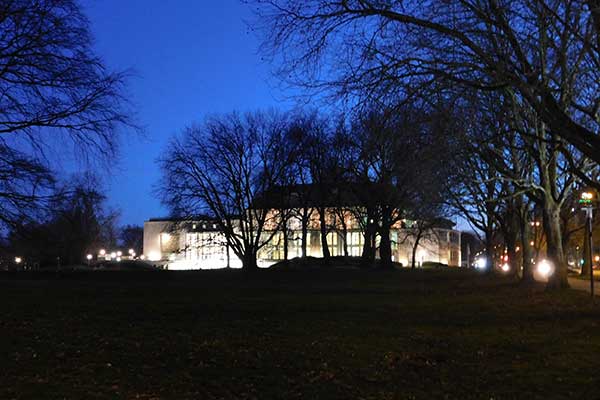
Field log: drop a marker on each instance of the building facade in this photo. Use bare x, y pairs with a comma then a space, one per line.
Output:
198, 244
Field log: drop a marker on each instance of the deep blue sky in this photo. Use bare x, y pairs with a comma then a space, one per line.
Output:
191, 58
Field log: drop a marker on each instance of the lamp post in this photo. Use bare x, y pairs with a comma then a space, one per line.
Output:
586, 202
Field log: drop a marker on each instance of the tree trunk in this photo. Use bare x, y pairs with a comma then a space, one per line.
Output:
414, 249
555, 253
249, 263
527, 254
489, 252
304, 231
323, 226
385, 246
587, 263
345, 238
511, 242
368, 253
285, 241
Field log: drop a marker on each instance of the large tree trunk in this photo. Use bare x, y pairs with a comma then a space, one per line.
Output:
555, 253
385, 246
368, 253
249, 263
323, 226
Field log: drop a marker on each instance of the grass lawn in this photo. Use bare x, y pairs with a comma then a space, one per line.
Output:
329, 335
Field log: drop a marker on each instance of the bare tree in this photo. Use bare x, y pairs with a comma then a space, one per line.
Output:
223, 167
54, 91
546, 51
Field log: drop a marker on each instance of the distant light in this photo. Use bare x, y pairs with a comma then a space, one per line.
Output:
142, 257
518, 249
89, 257
119, 253
113, 255
102, 252
18, 260
131, 251
532, 243
481, 263
587, 196
597, 258
118, 259
154, 256
582, 261
545, 268
505, 267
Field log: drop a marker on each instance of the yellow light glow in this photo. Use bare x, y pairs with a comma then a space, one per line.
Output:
532, 243
545, 268
597, 258
587, 196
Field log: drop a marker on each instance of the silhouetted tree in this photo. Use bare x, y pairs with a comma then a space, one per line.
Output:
223, 167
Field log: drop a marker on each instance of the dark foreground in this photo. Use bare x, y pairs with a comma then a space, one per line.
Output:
334, 335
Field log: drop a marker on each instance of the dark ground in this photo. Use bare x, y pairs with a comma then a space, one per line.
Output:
329, 335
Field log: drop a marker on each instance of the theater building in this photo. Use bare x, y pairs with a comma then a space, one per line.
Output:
197, 243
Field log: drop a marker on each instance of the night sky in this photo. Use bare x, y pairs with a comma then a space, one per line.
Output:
191, 58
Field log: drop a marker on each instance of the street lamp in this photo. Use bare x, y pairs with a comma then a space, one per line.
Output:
89, 259
586, 201
18, 260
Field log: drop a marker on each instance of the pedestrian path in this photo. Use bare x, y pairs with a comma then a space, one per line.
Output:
583, 285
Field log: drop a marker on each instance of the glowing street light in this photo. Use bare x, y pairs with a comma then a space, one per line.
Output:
586, 201
505, 267
102, 252
18, 260
545, 268
131, 252
119, 253
89, 257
